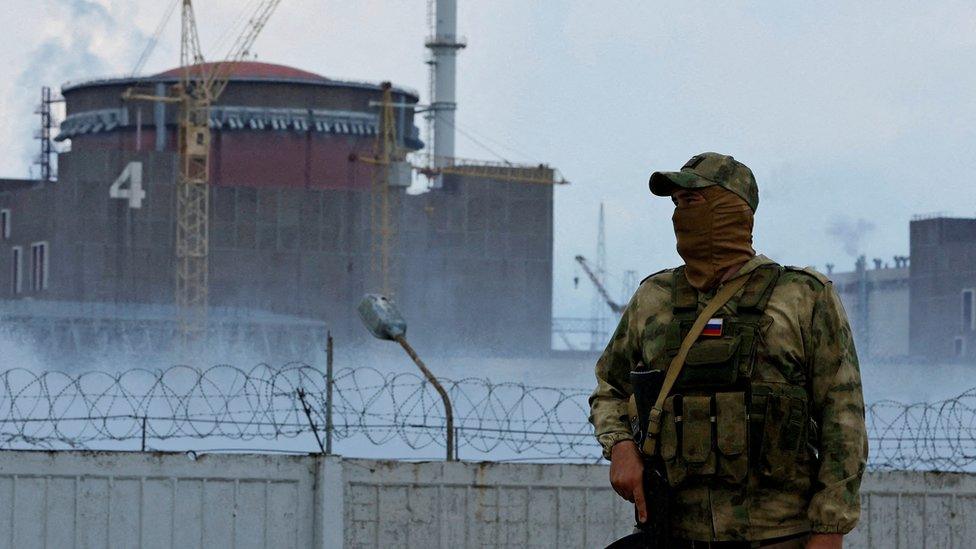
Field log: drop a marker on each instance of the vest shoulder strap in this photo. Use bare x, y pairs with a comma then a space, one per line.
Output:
754, 297
759, 288
652, 275
809, 271
684, 296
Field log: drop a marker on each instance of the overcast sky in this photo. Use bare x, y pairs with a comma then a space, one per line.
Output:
854, 116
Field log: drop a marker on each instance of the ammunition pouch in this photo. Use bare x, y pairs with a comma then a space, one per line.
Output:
780, 416
711, 363
705, 435
719, 422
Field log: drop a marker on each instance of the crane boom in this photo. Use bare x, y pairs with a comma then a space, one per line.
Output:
614, 306
190, 52
154, 39
200, 86
540, 174
220, 74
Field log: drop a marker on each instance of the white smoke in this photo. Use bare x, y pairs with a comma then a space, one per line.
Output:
850, 233
76, 40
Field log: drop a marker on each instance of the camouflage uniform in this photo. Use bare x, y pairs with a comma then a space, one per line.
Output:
803, 354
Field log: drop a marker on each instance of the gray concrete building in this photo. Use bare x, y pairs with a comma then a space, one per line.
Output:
922, 309
943, 285
290, 216
876, 300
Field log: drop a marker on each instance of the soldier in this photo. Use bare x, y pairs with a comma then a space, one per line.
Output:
761, 437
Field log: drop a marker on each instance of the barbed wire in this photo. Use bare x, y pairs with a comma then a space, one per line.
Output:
937, 436
260, 408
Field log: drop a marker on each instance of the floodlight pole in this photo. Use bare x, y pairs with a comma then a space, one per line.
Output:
448, 411
329, 385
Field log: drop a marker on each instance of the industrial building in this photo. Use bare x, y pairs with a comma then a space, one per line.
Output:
290, 218
917, 307
943, 286
303, 209
876, 301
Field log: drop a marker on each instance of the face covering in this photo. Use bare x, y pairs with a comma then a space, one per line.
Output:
713, 236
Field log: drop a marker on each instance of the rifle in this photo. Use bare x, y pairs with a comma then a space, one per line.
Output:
655, 533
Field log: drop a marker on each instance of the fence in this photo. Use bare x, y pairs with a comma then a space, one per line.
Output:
150, 500
183, 408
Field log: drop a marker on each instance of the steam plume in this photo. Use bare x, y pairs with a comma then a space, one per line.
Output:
850, 233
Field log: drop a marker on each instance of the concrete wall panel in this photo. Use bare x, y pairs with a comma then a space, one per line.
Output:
97, 499
481, 505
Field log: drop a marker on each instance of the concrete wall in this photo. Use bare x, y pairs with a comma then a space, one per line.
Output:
88, 500
99, 499
909, 510
396, 504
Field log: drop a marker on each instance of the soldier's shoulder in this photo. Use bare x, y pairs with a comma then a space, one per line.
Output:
655, 289
807, 276
653, 296
660, 279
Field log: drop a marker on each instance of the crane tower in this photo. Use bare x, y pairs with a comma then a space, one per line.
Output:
201, 84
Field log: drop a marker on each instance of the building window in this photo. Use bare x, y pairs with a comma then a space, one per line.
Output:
4, 224
968, 306
39, 266
16, 272
959, 346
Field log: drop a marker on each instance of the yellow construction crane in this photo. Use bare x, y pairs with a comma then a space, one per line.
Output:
388, 159
392, 169
500, 171
200, 86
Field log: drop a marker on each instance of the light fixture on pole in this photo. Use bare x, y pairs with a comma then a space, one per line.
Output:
384, 321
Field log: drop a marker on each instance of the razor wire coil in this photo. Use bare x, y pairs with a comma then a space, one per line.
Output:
96, 409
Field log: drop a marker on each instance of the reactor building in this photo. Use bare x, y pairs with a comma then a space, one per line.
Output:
289, 223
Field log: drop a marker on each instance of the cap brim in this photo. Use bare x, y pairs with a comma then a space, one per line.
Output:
665, 183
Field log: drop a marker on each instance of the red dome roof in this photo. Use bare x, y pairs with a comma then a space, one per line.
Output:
254, 69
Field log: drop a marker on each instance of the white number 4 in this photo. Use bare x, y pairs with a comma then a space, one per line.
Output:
134, 193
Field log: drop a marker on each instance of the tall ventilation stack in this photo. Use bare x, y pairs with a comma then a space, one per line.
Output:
443, 45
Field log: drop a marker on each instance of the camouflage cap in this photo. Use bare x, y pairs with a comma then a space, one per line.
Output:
708, 169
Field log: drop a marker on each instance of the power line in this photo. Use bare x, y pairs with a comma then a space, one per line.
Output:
154, 39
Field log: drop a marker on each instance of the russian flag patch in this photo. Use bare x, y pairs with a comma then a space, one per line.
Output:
713, 328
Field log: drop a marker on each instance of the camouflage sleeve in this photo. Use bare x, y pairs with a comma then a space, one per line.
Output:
608, 403
838, 408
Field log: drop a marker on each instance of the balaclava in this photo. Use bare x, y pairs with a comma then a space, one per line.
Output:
713, 235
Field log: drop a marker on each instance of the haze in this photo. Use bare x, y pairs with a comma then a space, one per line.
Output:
854, 116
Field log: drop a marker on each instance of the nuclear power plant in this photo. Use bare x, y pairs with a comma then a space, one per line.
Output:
251, 205
306, 210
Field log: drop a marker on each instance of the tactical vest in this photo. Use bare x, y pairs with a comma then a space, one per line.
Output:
720, 420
